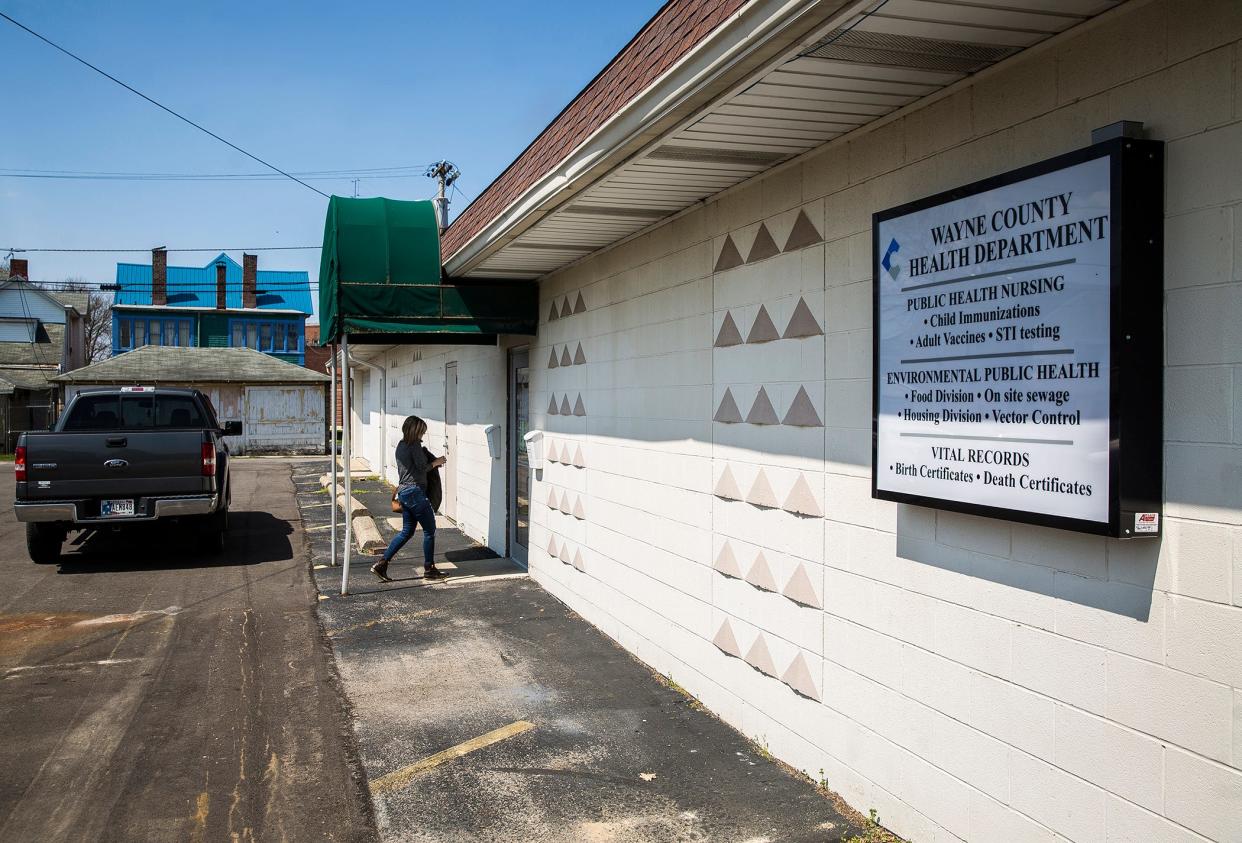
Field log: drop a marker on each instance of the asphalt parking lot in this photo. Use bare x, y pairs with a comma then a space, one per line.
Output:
152, 692
486, 709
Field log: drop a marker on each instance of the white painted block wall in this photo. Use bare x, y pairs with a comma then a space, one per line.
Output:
976, 680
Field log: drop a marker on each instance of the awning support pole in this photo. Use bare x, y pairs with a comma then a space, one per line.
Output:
346, 412
335, 369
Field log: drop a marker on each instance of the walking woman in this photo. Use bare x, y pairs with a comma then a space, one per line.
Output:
413, 464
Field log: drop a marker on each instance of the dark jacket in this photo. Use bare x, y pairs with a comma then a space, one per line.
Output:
434, 489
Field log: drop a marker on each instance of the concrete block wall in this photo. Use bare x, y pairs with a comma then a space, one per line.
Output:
969, 678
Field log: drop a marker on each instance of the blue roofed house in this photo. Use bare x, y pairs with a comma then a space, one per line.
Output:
220, 305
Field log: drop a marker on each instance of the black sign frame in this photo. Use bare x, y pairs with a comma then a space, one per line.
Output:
1136, 296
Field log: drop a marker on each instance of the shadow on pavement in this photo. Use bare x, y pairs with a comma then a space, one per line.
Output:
253, 538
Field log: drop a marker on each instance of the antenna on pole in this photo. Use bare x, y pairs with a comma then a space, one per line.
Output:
445, 172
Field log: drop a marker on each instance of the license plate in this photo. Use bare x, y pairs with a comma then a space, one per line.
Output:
116, 509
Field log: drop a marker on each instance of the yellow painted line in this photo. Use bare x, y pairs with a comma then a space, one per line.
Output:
399, 778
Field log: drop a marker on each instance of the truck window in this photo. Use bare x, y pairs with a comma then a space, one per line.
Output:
94, 412
135, 412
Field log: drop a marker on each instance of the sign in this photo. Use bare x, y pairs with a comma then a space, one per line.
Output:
1017, 344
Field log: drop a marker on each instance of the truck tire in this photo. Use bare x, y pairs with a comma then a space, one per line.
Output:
43, 543
215, 529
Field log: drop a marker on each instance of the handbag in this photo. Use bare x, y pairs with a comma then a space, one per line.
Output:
396, 503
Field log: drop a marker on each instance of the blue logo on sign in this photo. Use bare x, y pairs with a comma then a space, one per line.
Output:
890, 266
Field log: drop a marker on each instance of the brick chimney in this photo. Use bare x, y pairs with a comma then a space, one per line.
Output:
222, 301
250, 279
19, 268
159, 277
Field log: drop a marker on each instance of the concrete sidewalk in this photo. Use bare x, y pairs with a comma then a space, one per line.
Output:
486, 710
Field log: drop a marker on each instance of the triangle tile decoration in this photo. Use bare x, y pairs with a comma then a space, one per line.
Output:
554, 313
760, 573
579, 407
802, 412
762, 411
552, 547
565, 309
729, 334
764, 246
798, 676
565, 411
802, 234
553, 503
729, 255
801, 499
578, 562
760, 658
580, 304
565, 555
552, 364
552, 411
564, 508
763, 330
727, 412
726, 487
802, 323
579, 357
761, 493
578, 461
725, 640
800, 589
579, 512
554, 454
566, 360
726, 562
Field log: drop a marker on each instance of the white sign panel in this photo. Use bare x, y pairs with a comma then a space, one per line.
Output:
993, 347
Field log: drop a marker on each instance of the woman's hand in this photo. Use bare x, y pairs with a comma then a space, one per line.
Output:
439, 461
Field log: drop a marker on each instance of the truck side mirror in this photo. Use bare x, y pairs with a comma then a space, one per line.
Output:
232, 428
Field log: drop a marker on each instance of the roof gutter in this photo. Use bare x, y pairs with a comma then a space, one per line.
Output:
756, 34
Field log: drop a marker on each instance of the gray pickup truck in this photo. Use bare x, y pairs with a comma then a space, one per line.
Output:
124, 455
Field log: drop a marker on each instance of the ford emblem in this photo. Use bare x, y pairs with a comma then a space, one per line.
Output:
116, 464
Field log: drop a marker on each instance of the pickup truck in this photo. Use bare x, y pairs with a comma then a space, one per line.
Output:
120, 456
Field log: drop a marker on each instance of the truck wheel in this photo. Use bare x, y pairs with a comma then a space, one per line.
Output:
43, 543
215, 528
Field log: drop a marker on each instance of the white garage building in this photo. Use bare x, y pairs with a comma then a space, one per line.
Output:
281, 406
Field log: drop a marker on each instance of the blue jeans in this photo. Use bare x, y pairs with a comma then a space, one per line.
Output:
415, 510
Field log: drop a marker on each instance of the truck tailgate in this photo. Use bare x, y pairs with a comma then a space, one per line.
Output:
63, 466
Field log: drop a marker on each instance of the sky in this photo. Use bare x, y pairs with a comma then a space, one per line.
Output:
308, 86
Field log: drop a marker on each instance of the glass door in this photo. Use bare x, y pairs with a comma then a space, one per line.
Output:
519, 465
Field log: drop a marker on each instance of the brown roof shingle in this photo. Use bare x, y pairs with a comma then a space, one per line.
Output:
673, 32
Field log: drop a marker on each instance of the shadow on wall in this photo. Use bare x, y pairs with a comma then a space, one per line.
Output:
1111, 575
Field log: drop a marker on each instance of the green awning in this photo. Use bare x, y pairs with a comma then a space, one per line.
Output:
380, 281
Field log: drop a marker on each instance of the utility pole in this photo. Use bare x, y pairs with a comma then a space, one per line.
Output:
355, 188
444, 172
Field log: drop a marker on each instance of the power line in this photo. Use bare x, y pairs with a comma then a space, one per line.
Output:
136, 251
201, 178
341, 172
161, 105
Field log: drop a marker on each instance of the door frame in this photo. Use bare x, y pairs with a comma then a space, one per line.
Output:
450, 383
511, 463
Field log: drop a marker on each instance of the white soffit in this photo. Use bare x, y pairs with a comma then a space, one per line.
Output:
895, 54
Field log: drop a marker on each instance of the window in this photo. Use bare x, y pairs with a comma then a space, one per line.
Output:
135, 412
274, 337
137, 331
